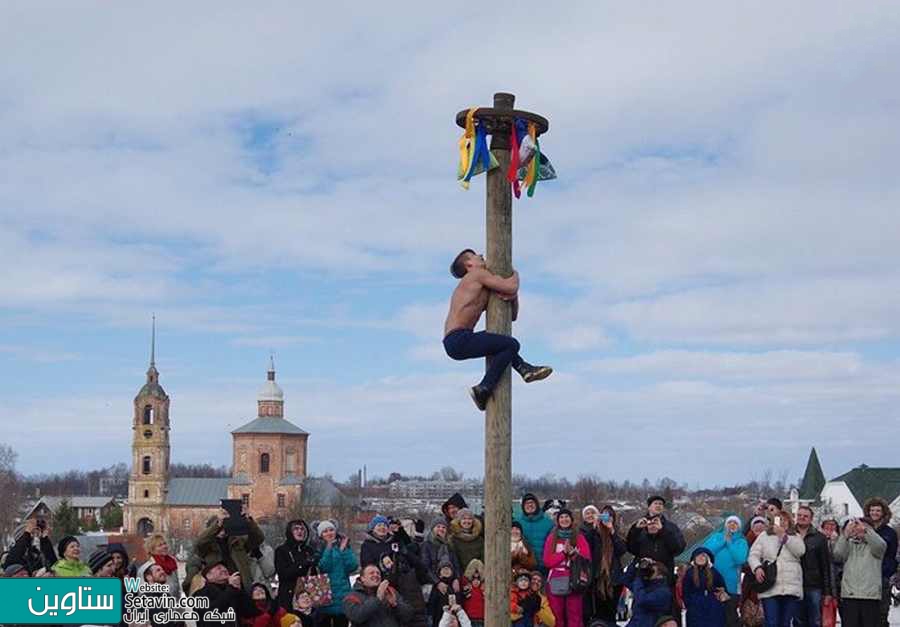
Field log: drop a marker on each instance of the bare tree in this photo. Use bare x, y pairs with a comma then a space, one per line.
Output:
10, 490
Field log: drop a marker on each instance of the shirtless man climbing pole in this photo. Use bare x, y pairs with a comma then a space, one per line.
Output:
469, 300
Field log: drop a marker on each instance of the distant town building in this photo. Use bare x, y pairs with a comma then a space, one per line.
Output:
431, 490
87, 508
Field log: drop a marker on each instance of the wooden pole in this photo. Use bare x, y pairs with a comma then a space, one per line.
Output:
498, 418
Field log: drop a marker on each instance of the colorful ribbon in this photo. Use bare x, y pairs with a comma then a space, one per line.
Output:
531, 175
466, 149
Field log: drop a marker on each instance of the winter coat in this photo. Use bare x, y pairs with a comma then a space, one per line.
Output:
233, 550
222, 598
523, 606
467, 545
789, 580
437, 599
522, 557
862, 565
703, 607
363, 608
556, 562
652, 601
293, 560
265, 617
596, 541
889, 564
473, 599
816, 563
535, 529
434, 551
730, 557
663, 546
71, 568
338, 565
545, 615
263, 567
373, 548
24, 552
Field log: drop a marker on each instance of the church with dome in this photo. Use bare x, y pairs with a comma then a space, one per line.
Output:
268, 465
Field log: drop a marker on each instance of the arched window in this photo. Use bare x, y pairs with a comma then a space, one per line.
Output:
264, 462
148, 415
290, 462
145, 465
146, 494
145, 526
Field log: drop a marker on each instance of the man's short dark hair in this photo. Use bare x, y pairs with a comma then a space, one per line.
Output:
807, 508
776, 502
458, 267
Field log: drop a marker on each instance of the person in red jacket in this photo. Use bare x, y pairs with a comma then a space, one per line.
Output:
473, 592
561, 547
269, 613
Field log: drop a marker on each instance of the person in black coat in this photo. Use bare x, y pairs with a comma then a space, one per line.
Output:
658, 538
293, 559
25, 553
607, 548
224, 591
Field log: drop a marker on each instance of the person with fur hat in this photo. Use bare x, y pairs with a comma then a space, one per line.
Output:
338, 562
780, 544
521, 555
563, 545
436, 549
374, 602
25, 553
448, 584
703, 590
879, 512
69, 563
472, 583
467, 537
223, 591
607, 548
101, 563
157, 548
861, 550
730, 550
536, 526
293, 559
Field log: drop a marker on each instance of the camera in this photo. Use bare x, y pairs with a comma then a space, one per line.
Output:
646, 566
41, 524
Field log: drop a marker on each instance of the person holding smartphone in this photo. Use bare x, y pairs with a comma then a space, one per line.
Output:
782, 545
607, 548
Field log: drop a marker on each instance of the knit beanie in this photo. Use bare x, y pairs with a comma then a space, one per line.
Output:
655, 497
465, 512
590, 508
289, 619
735, 519
565, 510
98, 559
517, 525
324, 526
65, 542
377, 520
757, 519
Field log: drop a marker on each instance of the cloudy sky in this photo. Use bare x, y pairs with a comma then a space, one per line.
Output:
714, 275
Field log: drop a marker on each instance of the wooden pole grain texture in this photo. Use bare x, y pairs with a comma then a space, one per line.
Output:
498, 418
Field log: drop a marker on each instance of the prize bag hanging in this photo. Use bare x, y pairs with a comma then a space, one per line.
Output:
474, 156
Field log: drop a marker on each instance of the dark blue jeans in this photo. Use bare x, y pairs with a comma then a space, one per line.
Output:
780, 610
502, 349
810, 614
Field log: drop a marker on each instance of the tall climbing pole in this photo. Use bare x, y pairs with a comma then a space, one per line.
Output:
498, 121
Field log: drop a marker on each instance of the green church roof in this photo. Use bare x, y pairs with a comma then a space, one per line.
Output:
813, 478
271, 425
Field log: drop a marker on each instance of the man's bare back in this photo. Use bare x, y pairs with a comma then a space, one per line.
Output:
467, 303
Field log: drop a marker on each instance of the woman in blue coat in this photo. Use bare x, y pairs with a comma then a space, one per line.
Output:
730, 550
338, 562
536, 526
704, 591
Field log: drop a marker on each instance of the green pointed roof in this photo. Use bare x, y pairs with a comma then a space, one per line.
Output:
813, 478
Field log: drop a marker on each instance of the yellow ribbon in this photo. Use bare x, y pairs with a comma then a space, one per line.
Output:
466, 148
532, 166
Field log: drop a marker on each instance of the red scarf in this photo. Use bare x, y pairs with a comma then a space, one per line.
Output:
167, 562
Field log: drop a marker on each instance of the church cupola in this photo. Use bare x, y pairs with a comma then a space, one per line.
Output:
270, 399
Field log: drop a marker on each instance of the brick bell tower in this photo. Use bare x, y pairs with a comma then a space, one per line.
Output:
149, 454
